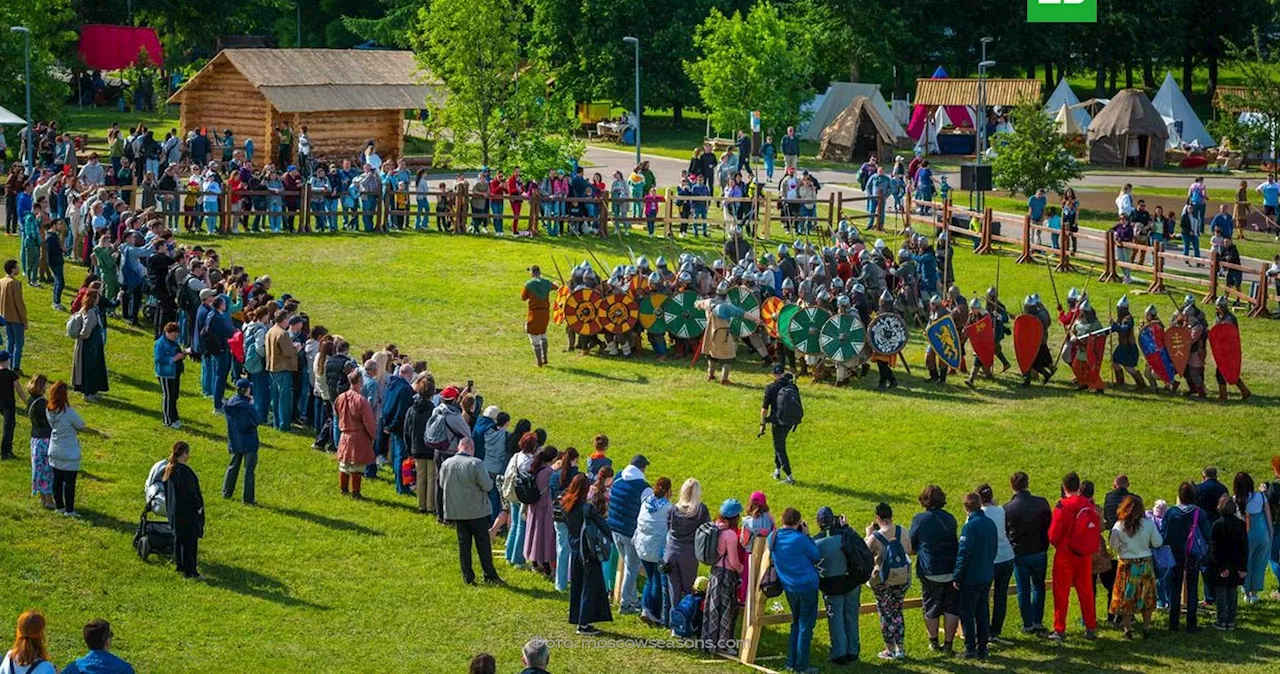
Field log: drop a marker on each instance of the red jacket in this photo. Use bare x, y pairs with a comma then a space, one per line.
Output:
1064, 516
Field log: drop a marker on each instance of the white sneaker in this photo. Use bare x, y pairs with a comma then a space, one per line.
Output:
175, 425
73, 515
776, 473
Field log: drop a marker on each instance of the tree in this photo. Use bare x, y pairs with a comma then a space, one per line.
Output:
1033, 156
47, 20
1259, 69
757, 62
497, 109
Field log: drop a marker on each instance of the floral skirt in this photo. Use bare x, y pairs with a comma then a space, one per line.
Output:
1135, 589
41, 473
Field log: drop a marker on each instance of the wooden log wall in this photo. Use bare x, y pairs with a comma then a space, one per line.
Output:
342, 135
226, 100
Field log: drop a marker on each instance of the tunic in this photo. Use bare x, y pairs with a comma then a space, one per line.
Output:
540, 532
1126, 352
717, 340
356, 421
536, 293
89, 369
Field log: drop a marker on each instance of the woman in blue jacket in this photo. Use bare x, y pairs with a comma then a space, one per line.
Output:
168, 356
795, 558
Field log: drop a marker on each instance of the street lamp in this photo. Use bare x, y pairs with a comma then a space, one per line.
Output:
983, 67
636, 43
26, 53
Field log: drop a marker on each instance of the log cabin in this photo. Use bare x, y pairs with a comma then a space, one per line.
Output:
345, 98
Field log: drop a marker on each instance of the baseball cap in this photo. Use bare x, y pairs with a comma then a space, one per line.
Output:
450, 393
243, 383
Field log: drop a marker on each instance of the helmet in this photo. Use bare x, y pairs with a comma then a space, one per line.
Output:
942, 238
1035, 298
975, 304
1123, 303
903, 253
685, 277
880, 244
788, 284
748, 277
1221, 303
953, 291
590, 276
991, 293
798, 245
723, 288
1189, 300
718, 265
767, 258
886, 297
642, 262
824, 296
662, 262
844, 225
843, 300
837, 283
618, 271
1152, 311
1030, 301
685, 257
1073, 295
782, 249
655, 278
862, 256
630, 270
1086, 306
859, 288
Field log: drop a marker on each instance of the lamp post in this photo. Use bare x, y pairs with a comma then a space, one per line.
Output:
26, 54
636, 43
983, 67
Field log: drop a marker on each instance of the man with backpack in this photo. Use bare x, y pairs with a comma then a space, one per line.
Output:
846, 565
629, 490
782, 408
1076, 534
445, 428
1187, 532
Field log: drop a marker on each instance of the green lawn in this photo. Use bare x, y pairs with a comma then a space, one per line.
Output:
309, 581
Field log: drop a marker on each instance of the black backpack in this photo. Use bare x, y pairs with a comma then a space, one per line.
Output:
175, 279
527, 491
209, 340
860, 560
787, 408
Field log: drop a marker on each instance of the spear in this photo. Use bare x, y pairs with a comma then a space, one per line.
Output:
557, 266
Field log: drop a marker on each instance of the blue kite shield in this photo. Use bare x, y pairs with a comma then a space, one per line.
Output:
1151, 341
944, 338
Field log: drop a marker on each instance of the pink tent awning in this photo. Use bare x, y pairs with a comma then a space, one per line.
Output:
112, 47
919, 114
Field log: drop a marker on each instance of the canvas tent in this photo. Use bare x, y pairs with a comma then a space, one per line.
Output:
1128, 132
7, 117
1066, 122
860, 130
1063, 95
920, 113
838, 97
1183, 124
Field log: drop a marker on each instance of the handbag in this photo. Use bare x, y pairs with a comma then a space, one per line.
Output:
770, 584
595, 547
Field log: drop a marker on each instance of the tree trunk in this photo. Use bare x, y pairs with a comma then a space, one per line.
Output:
1049, 82
1031, 71
1111, 78
1148, 71
1213, 76
1188, 66
677, 115
1099, 82
1128, 75
855, 69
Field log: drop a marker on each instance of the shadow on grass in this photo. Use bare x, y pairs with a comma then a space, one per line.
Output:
401, 505
252, 584
111, 522
194, 428
638, 379
321, 520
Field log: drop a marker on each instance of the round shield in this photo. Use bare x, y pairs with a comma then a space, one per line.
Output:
582, 312
619, 313
785, 315
769, 310
806, 326
557, 305
887, 334
651, 317
684, 320
841, 337
744, 326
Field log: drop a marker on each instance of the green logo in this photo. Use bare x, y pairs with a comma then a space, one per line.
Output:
1062, 11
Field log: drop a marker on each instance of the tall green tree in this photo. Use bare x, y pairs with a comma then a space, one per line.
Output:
761, 61
48, 21
497, 109
1033, 156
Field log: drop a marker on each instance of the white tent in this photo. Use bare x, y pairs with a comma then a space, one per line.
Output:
901, 111
1186, 127
807, 111
1063, 95
1067, 122
7, 117
837, 98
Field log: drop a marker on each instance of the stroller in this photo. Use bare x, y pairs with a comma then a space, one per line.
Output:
153, 537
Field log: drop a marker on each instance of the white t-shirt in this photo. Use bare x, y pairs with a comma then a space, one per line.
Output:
8, 667
1004, 549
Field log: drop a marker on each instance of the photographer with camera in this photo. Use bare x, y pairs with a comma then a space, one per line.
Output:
781, 408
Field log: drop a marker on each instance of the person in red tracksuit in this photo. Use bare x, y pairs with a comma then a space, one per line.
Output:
514, 189
1069, 568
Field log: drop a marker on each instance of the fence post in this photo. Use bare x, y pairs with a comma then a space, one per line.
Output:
910, 208
535, 209
224, 212
839, 197
1260, 309
1212, 293
605, 203
305, 196
1064, 251
1157, 267
946, 216
767, 221
984, 236
380, 225
666, 215
832, 212
752, 630
1025, 257
1108, 259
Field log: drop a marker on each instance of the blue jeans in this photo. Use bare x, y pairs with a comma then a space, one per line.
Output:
804, 614
1000, 600
842, 612
768, 168
211, 221
975, 616
1275, 533
630, 571
1190, 243
424, 212
282, 399
655, 600
59, 282
515, 538
221, 369
1029, 572
17, 334
250, 462
368, 206
495, 498
208, 370
274, 205
562, 557
397, 458
495, 208
261, 394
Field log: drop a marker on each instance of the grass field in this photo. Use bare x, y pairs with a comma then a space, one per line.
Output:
311, 582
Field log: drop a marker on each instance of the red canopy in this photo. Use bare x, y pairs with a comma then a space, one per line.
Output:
112, 47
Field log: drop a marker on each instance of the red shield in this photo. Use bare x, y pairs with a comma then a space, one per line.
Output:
1097, 346
1028, 336
982, 339
1224, 340
1177, 340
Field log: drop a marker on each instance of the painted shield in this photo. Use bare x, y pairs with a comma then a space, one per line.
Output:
1097, 345
787, 313
945, 339
749, 303
582, 312
805, 330
842, 337
887, 334
684, 321
982, 339
1224, 340
1177, 340
769, 310
1152, 340
619, 313
557, 305
1028, 337
651, 317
